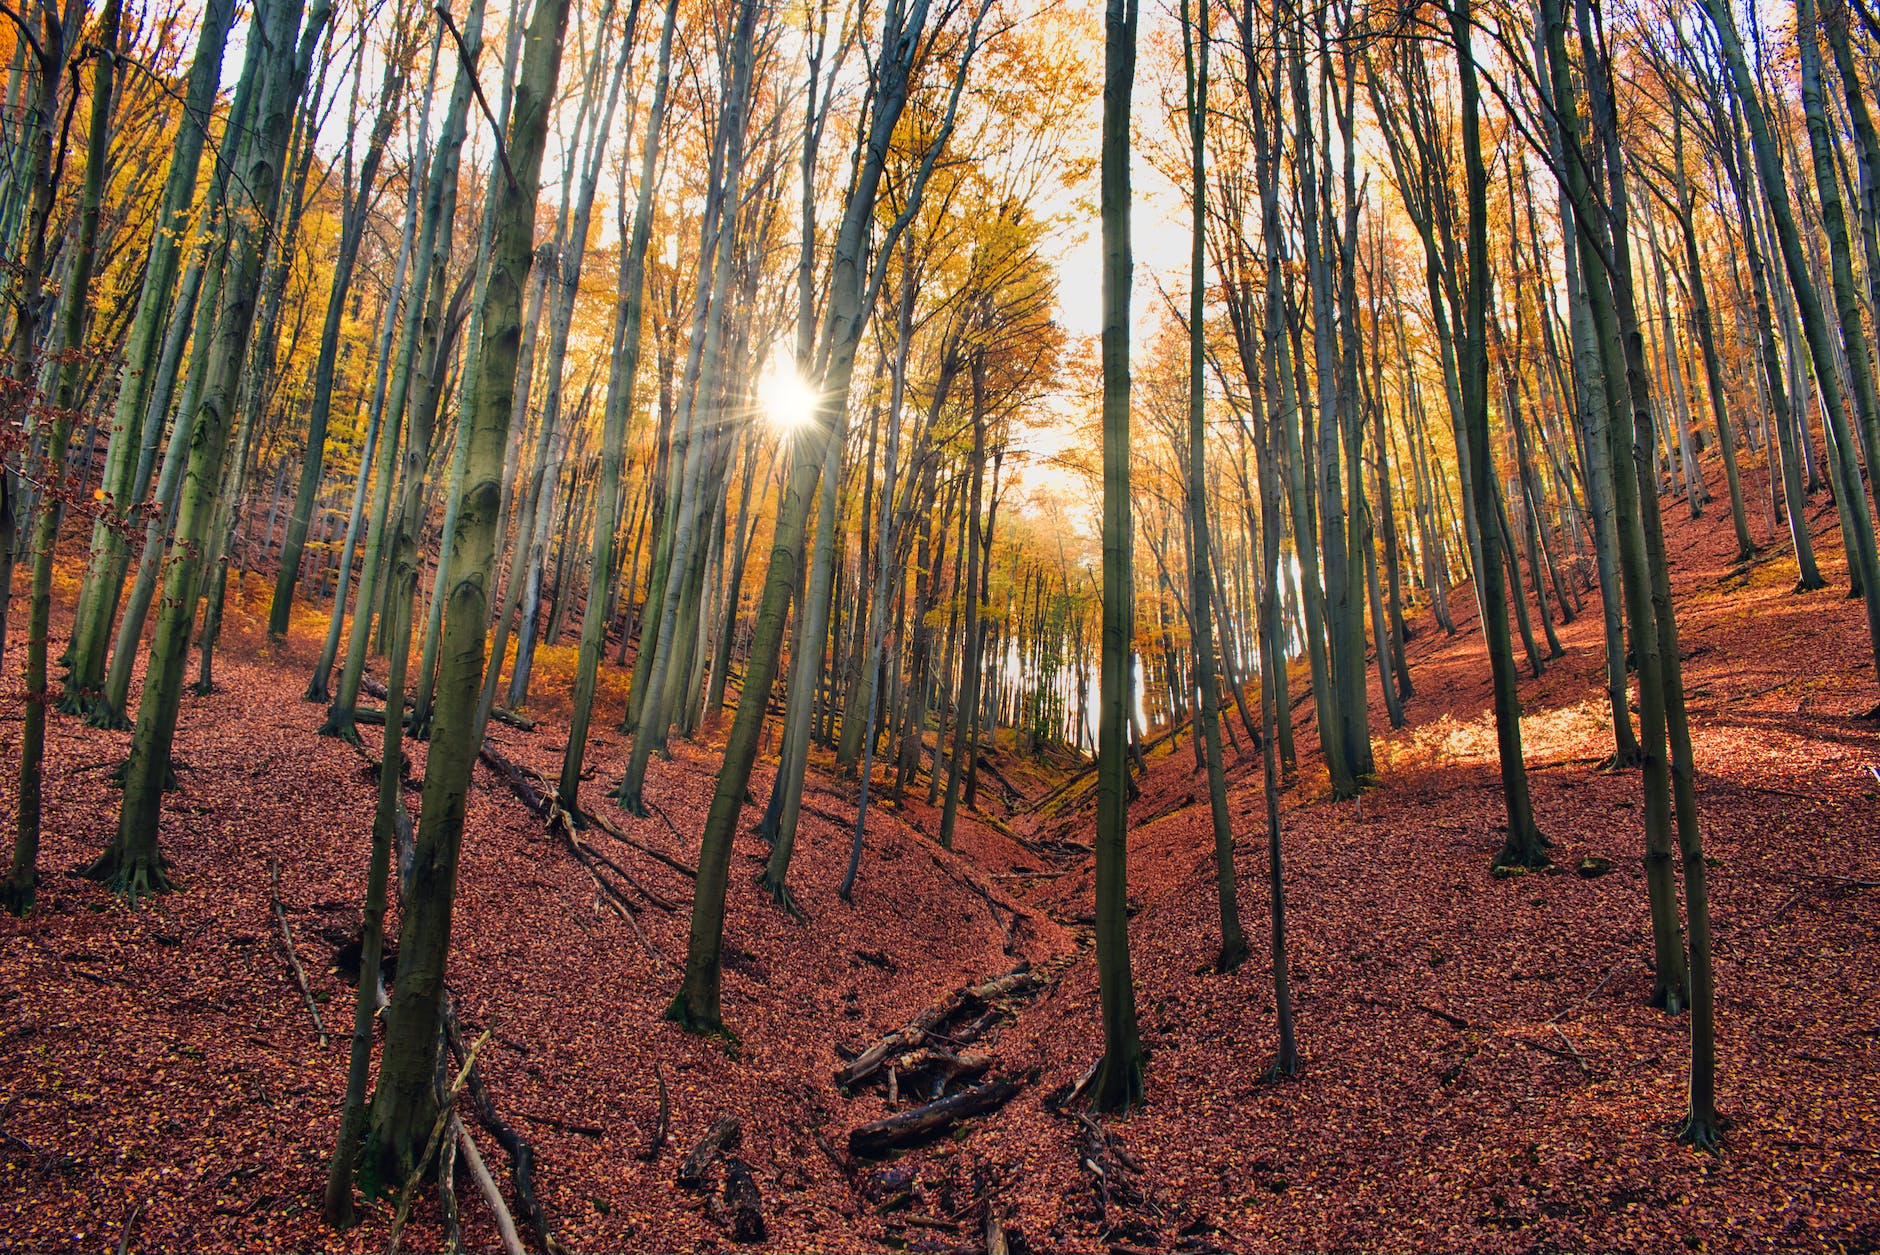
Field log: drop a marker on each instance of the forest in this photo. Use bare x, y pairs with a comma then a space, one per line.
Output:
940, 625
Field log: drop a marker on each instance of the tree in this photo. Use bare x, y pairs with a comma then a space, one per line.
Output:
1524, 847
136, 424
404, 1103
613, 437
313, 464
1195, 41
1118, 1084
17, 893
855, 285
1863, 562
132, 862
433, 256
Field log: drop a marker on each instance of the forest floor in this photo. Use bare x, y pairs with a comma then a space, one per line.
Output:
1480, 1069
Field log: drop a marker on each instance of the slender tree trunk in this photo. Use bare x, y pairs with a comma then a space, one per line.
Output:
1196, 38
352, 235
404, 1103
1118, 1084
632, 295
1524, 846
131, 418
1862, 559
132, 862
1707, 342
18, 892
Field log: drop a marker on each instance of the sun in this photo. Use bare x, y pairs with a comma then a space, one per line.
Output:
788, 400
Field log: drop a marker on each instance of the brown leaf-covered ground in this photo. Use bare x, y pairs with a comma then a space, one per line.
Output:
159, 1069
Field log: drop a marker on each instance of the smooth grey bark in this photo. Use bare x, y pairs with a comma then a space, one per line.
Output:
1118, 1084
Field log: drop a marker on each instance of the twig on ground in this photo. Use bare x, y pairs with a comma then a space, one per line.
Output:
1603, 982
1568, 1043
287, 943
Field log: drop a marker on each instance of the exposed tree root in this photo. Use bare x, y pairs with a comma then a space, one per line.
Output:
17, 898
340, 724
100, 713
779, 893
1703, 1134
679, 1011
1615, 761
132, 876
1228, 961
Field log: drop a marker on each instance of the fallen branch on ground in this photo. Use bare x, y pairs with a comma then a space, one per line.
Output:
1603, 982
486, 1186
722, 1136
521, 1154
601, 822
662, 1118
1454, 1021
287, 943
444, 1117
880, 1136
916, 1031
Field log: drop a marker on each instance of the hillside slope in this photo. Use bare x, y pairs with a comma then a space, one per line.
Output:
1480, 1070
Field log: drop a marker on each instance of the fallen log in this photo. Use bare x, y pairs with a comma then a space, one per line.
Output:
514, 777
942, 1067
880, 1136
374, 688
743, 1205
902, 1039
916, 1031
722, 1136
972, 1032
968, 1063
1012, 791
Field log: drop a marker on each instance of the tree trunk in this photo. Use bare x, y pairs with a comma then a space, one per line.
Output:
18, 892
131, 418
1524, 846
132, 862
404, 1103
1118, 1084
